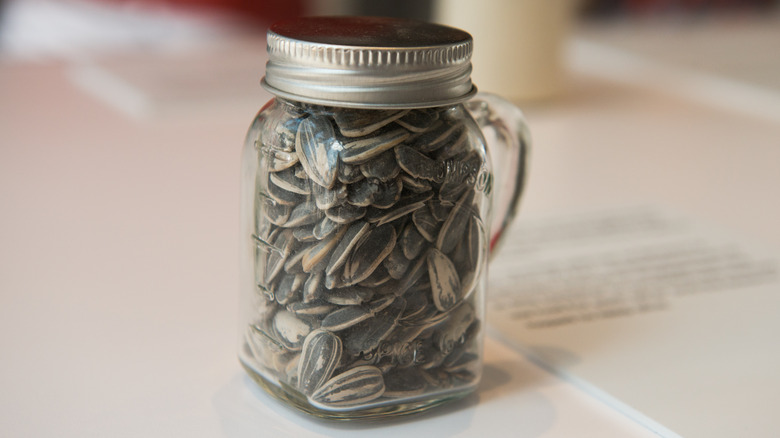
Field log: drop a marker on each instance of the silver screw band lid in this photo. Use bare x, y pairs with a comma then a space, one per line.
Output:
369, 62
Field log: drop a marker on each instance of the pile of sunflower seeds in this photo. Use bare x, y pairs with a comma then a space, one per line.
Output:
369, 243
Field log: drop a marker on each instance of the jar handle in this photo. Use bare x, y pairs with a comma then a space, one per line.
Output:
508, 138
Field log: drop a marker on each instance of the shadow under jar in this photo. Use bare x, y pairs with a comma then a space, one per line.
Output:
366, 220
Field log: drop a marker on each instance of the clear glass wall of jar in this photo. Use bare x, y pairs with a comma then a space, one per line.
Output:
364, 245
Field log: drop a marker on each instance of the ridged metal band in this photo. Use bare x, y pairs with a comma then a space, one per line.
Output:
314, 54
372, 76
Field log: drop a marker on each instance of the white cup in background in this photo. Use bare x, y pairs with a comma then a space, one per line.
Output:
518, 44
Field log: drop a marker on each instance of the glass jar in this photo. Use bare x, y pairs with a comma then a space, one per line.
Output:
367, 216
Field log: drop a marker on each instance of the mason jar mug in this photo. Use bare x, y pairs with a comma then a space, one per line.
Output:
368, 216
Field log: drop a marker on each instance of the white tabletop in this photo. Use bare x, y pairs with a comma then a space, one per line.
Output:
118, 265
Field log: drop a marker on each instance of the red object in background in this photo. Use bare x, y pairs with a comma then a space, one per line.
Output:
659, 7
645, 6
265, 11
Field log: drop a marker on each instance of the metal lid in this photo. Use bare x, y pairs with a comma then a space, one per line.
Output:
368, 62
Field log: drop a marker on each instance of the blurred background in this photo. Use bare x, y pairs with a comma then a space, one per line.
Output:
586, 72
525, 49
69, 28
59, 28
121, 126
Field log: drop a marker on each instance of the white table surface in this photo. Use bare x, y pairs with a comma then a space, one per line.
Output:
118, 256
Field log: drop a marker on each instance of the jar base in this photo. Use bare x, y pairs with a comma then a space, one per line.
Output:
296, 400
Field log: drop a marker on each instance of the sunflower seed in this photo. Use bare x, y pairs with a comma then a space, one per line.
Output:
283, 196
348, 296
362, 192
333, 281
321, 265
261, 268
396, 263
404, 206
445, 283
353, 387
433, 359
304, 234
415, 185
416, 304
284, 131
317, 150
286, 180
470, 254
383, 167
402, 383
290, 330
418, 120
462, 378
313, 288
377, 278
388, 194
360, 151
451, 190
339, 256
361, 122
348, 316
265, 293
430, 317
300, 173
440, 209
260, 265
418, 165
279, 251
289, 287
454, 328
380, 304
464, 362
411, 241
413, 274
349, 174
388, 288
344, 214
426, 224
453, 228
437, 137
293, 263
276, 159
321, 353
437, 378
349, 362
472, 332
367, 335
345, 317
312, 308
305, 213
368, 253
290, 369
261, 345
422, 286
327, 198
321, 250
325, 228
455, 144
267, 231
463, 345
276, 213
